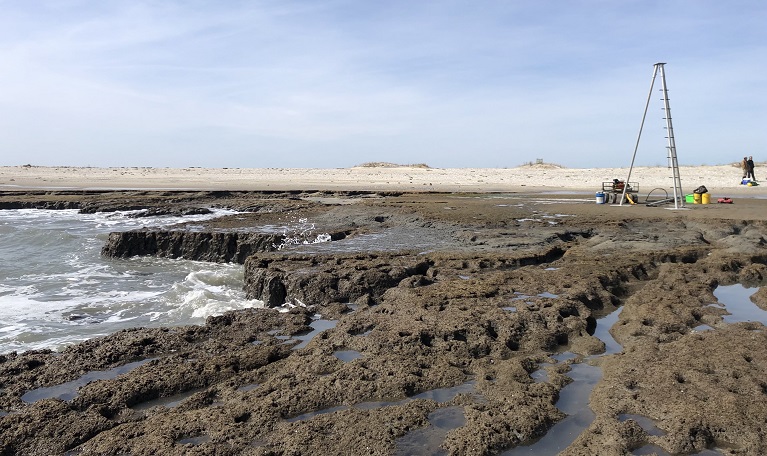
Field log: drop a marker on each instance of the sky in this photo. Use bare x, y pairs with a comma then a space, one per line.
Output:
339, 83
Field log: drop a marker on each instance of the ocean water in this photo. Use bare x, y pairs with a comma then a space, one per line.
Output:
57, 289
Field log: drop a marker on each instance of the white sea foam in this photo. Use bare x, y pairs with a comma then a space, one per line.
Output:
57, 289
301, 232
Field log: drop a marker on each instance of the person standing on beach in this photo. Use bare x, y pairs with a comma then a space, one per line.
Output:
744, 165
750, 165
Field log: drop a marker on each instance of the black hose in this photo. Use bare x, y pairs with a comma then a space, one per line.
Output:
647, 198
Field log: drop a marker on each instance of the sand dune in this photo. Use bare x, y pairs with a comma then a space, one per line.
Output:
718, 179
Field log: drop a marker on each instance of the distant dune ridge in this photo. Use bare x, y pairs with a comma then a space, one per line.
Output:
391, 165
541, 165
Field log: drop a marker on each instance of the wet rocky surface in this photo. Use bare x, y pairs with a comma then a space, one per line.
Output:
429, 291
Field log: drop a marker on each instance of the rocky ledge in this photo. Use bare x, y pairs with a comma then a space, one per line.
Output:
214, 246
479, 308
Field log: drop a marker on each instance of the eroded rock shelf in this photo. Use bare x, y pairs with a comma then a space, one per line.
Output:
485, 293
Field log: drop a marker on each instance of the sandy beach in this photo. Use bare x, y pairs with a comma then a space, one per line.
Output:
719, 179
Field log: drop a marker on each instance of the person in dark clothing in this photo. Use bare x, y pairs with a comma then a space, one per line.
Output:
750, 166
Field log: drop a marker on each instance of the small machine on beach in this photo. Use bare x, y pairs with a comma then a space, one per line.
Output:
616, 189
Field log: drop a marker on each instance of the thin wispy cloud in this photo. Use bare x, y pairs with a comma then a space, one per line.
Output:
338, 83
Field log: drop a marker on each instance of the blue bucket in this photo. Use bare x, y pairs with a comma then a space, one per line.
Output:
600, 198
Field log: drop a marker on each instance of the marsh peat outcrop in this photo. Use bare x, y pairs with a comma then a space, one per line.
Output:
444, 303
277, 278
220, 247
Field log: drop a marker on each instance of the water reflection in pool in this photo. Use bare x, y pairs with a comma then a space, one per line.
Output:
736, 300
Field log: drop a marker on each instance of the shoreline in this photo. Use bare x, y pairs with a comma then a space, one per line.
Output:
719, 179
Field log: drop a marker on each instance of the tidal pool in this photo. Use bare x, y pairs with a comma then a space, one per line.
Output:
68, 391
736, 300
347, 355
426, 441
167, 402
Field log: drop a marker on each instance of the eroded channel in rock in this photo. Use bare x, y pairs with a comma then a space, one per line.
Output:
573, 398
440, 395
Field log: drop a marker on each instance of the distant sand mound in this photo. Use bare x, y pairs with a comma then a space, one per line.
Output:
541, 165
391, 165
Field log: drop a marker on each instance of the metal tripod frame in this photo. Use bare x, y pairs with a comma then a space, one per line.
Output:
672, 159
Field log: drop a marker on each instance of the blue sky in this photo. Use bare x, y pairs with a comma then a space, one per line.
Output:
337, 83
